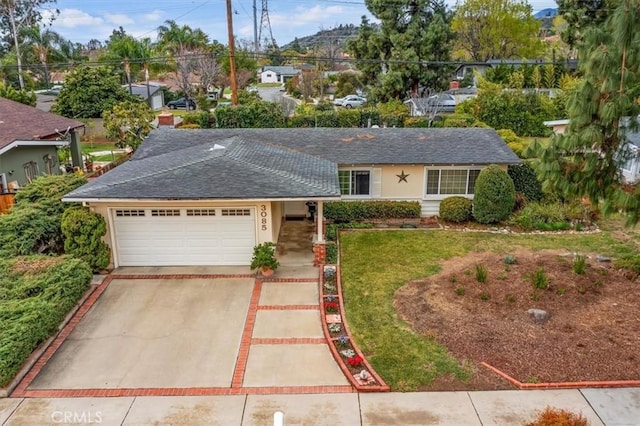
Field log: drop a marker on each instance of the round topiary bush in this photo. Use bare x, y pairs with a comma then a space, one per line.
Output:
456, 209
495, 195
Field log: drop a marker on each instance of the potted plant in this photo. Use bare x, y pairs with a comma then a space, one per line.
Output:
264, 258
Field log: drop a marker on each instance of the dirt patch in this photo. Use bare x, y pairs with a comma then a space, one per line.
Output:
591, 333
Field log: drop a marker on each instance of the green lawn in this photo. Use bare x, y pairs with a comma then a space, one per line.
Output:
101, 146
374, 264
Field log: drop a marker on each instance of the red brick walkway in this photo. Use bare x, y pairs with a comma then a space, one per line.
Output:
22, 390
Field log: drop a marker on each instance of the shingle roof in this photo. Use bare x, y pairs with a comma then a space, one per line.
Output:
230, 168
19, 122
281, 163
358, 146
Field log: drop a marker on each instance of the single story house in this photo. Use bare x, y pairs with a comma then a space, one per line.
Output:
154, 96
274, 74
208, 196
29, 142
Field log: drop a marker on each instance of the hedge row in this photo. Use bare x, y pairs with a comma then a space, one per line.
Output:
36, 293
350, 211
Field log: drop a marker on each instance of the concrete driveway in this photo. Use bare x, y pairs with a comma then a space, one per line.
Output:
150, 333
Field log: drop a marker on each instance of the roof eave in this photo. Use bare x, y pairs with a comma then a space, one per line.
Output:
191, 200
17, 144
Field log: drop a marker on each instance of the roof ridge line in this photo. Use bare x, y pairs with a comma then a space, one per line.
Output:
276, 172
155, 172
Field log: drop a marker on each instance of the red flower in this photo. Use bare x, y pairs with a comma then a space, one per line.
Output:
355, 361
331, 306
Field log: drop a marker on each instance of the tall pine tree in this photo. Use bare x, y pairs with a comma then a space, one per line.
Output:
396, 56
586, 161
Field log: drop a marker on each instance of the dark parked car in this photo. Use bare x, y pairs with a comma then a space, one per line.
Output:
181, 103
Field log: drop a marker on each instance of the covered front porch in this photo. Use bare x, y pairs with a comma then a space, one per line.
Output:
301, 234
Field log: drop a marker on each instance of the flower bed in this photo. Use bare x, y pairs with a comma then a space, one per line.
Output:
344, 350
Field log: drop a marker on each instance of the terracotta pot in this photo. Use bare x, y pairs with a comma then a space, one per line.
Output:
265, 271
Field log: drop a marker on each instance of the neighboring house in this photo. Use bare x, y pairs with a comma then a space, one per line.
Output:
206, 197
273, 74
154, 93
29, 142
630, 169
482, 67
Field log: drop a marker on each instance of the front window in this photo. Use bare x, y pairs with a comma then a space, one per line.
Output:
451, 181
355, 182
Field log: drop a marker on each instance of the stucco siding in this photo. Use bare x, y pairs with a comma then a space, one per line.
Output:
393, 187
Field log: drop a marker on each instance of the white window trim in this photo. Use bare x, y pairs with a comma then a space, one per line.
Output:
360, 169
439, 197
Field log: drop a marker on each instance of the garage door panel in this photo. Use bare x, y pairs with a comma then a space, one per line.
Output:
187, 236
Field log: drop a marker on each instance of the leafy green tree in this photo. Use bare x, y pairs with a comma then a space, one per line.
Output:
128, 122
585, 161
496, 29
88, 91
22, 96
494, 196
399, 57
83, 231
579, 15
348, 83
523, 113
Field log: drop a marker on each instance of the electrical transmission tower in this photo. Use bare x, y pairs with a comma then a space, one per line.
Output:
265, 25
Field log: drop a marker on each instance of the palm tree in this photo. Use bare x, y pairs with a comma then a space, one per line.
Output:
45, 44
183, 44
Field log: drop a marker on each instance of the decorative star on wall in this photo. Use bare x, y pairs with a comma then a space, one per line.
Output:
402, 177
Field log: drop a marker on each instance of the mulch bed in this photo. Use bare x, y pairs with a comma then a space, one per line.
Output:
592, 334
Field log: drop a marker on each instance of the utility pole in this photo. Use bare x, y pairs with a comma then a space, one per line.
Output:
232, 56
256, 46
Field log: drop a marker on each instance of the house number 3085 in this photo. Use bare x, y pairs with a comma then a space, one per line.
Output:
263, 217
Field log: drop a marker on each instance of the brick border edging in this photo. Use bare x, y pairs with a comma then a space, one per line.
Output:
382, 386
61, 336
193, 391
563, 385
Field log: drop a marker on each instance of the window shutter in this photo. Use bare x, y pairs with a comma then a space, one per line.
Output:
376, 188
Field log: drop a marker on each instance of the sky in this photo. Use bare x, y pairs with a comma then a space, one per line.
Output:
83, 20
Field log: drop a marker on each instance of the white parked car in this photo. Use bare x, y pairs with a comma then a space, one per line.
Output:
351, 101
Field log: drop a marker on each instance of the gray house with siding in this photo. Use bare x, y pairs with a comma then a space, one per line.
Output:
29, 143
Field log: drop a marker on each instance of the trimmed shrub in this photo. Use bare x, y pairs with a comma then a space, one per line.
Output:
37, 293
349, 211
331, 232
348, 117
83, 231
525, 181
456, 209
458, 120
260, 114
203, 119
332, 253
494, 195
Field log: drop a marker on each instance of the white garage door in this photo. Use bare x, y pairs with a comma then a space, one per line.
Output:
184, 236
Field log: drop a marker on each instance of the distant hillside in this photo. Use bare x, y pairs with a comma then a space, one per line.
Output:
546, 13
335, 38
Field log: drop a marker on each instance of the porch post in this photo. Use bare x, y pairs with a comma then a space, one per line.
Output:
319, 220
